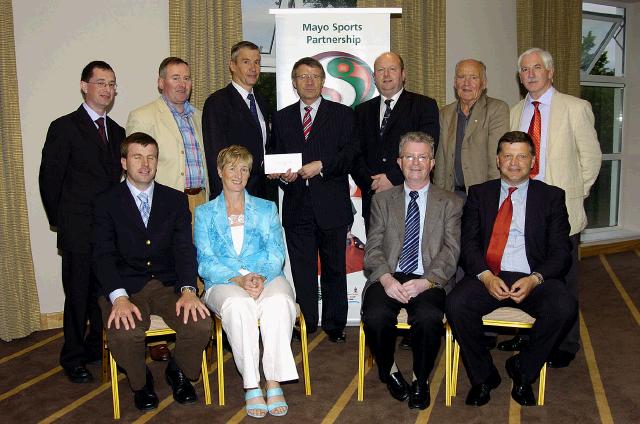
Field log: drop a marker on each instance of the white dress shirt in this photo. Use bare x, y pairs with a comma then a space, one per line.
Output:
263, 125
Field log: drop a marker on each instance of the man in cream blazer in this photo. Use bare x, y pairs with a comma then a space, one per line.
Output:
570, 158
177, 127
469, 131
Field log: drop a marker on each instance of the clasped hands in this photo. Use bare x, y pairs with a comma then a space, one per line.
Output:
498, 289
309, 170
123, 310
403, 293
252, 283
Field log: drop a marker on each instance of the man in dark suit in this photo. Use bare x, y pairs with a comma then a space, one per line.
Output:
80, 159
237, 114
515, 241
145, 262
411, 256
316, 209
381, 126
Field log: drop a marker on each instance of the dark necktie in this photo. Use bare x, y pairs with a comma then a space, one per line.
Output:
500, 234
253, 108
101, 130
535, 129
409, 257
307, 122
387, 114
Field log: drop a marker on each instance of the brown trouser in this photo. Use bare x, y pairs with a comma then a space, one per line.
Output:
128, 346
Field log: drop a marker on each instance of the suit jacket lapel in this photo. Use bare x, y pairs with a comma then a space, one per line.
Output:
129, 205
400, 109
321, 116
398, 211
250, 222
167, 119
221, 223
476, 119
431, 215
239, 103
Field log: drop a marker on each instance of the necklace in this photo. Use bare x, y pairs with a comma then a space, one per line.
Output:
236, 219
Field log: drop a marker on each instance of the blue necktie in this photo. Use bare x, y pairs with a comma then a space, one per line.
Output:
387, 114
145, 209
409, 257
254, 110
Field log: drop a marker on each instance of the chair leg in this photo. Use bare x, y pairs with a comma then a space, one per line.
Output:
541, 384
454, 368
220, 355
361, 353
305, 354
448, 356
205, 379
105, 357
114, 387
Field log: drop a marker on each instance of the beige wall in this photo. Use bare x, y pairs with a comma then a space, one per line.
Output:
55, 39
484, 30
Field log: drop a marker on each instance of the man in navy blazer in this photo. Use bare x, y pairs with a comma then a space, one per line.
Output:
376, 168
526, 272
316, 208
238, 114
145, 262
80, 159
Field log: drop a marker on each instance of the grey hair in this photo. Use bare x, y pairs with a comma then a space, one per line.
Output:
547, 59
483, 67
416, 137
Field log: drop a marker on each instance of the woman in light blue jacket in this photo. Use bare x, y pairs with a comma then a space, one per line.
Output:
240, 258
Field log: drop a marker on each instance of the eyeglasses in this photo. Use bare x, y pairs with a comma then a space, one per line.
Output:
305, 77
420, 158
104, 84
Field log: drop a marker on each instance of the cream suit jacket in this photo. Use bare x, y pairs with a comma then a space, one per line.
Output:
488, 122
573, 156
157, 120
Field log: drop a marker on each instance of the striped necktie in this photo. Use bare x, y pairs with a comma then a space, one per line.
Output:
145, 209
307, 122
535, 129
409, 257
387, 114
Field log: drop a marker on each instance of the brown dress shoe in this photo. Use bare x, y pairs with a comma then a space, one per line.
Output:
160, 352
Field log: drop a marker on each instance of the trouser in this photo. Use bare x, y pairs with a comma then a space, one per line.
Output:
239, 312
425, 313
128, 346
549, 303
81, 344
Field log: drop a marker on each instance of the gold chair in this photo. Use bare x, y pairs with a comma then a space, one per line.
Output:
157, 328
501, 317
305, 354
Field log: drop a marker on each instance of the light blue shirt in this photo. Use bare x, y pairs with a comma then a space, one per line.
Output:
134, 192
94, 115
545, 113
423, 195
514, 257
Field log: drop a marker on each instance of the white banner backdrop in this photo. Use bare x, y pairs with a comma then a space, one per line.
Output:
346, 42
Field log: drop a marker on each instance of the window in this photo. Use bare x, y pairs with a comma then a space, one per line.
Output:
602, 84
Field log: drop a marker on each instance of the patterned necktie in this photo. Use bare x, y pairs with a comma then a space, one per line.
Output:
387, 114
535, 129
409, 257
307, 122
500, 234
145, 209
101, 130
253, 109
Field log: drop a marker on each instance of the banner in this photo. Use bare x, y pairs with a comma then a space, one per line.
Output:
346, 42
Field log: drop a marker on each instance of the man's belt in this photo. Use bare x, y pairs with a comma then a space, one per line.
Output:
193, 191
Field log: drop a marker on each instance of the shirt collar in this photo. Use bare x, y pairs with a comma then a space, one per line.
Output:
315, 105
135, 192
422, 192
244, 93
395, 98
545, 99
522, 188
188, 109
93, 114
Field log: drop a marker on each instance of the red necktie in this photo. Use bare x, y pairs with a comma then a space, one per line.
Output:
500, 234
306, 122
535, 129
101, 130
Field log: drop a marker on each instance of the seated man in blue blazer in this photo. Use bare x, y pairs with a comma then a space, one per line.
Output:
145, 263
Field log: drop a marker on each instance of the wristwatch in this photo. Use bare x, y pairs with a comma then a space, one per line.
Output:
538, 277
189, 289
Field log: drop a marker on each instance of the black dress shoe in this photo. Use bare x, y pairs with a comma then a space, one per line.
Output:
405, 343
146, 399
160, 352
480, 394
419, 397
296, 333
560, 359
337, 336
489, 341
397, 386
78, 374
183, 391
521, 392
513, 345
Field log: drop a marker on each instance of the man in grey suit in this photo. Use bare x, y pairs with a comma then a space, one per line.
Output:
469, 131
411, 256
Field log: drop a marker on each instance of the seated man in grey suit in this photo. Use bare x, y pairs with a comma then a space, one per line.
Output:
145, 262
411, 255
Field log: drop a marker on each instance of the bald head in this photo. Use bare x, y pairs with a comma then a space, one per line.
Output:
388, 71
470, 82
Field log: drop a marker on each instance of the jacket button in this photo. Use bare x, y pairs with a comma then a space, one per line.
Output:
148, 263
148, 242
384, 159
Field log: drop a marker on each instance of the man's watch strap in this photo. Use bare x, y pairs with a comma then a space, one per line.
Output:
539, 277
188, 288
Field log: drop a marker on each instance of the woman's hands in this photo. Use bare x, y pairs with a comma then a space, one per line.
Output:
252, 283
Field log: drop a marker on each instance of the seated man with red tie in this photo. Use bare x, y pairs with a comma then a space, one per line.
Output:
515, 252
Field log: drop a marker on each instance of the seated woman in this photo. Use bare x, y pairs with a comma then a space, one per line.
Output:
240, 258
